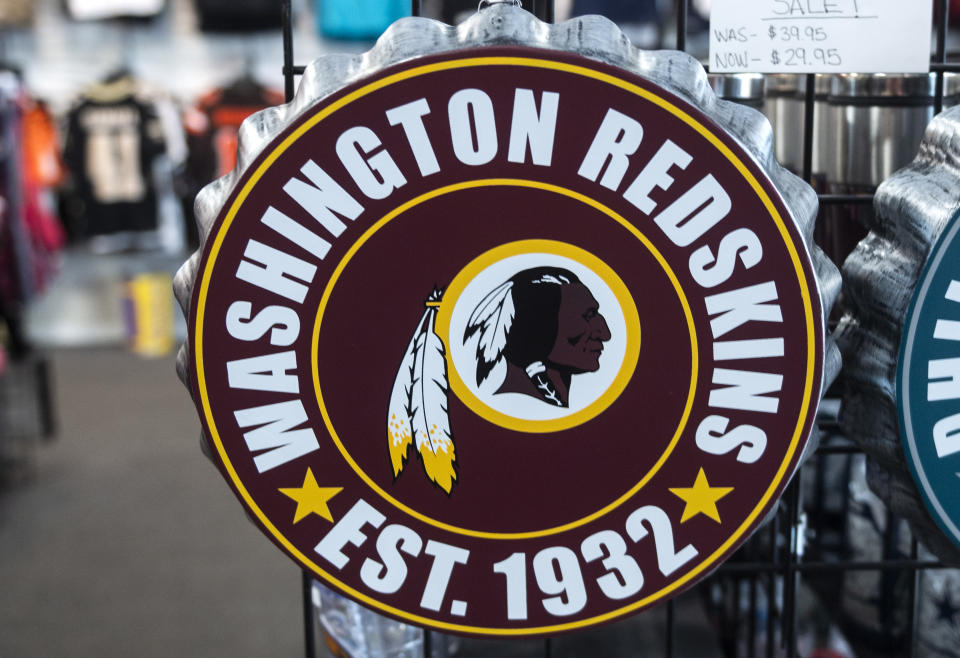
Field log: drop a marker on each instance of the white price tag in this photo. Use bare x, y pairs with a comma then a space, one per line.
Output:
820, 36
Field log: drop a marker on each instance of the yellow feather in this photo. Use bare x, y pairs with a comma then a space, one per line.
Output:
428, 405
439, 465
398, 431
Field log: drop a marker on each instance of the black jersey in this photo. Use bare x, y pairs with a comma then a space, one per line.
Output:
112, 139
232, 16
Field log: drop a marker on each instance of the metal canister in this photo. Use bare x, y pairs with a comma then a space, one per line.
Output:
743, 88
784, 107
877, 122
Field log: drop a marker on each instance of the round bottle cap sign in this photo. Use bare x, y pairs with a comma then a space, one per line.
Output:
900, 336
506, 340
927, 374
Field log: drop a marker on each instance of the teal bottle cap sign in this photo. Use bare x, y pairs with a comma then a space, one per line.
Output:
900, 340
928, 383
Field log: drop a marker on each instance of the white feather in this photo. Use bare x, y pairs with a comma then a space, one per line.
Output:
493, 317
428, 407
399, 430
549, 278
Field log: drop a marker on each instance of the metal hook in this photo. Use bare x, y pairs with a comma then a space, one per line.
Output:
489, 3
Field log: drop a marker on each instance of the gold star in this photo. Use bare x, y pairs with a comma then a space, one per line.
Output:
701, 498
311, 499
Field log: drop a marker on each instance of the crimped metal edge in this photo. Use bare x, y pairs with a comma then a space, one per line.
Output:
912, 207
591, 36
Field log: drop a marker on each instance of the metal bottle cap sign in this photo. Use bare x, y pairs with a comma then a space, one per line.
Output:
499, 338
902, 282
927, 374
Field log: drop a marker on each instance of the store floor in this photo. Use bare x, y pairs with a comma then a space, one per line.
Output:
125, 541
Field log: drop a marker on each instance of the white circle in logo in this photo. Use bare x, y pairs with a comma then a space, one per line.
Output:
530, 358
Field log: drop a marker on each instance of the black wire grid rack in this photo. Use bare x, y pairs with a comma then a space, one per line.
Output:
754, 600
26, 416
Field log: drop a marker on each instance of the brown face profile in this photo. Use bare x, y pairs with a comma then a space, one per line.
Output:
581, 331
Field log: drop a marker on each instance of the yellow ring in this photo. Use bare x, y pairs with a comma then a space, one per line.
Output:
617, 287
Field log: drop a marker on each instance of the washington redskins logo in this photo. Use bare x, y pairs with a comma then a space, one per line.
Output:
523, 330
506, 341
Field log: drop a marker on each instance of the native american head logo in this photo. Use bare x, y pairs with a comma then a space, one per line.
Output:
543, 323
546, 326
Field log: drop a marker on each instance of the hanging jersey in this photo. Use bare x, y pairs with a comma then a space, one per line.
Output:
232, 16
41, 150
213, 126
87, 10
30, 233
359, 19
112, 154
112, 140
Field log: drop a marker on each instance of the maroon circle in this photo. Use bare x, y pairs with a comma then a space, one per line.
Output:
438, 238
